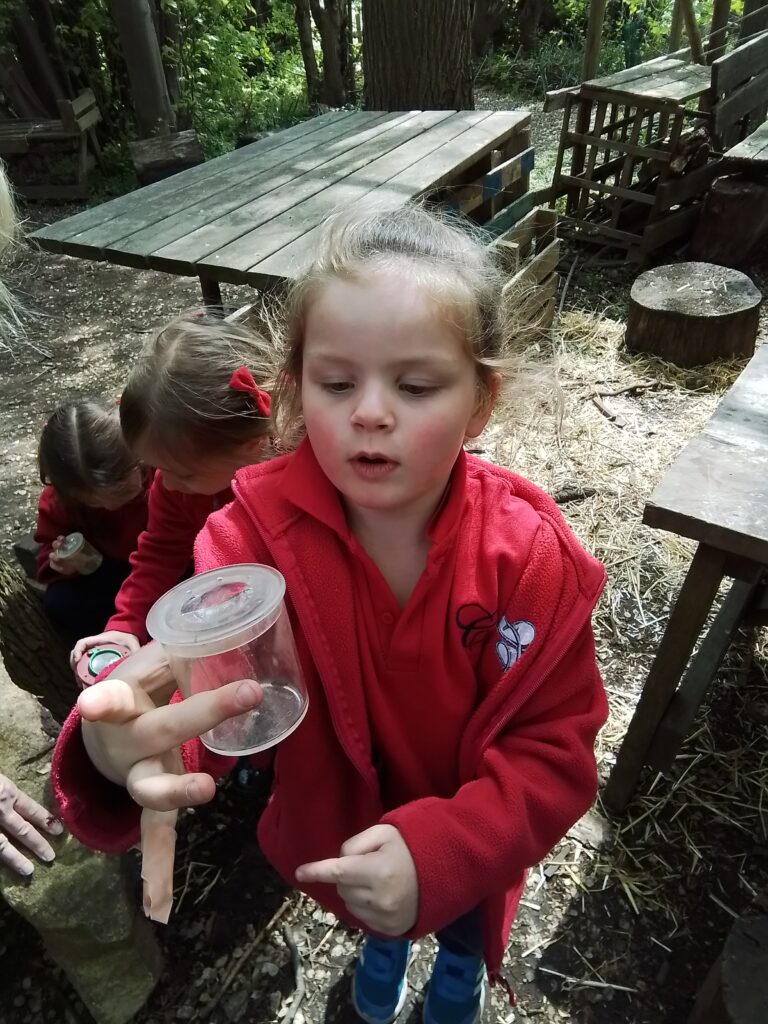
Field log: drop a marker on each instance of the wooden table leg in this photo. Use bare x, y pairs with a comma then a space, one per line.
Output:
209, 286
679, 716
685, 623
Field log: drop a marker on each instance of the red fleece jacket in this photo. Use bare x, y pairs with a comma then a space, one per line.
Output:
513, 593
163, 553
113, 533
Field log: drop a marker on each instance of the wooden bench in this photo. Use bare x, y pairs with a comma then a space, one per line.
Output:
717, 494
75, 123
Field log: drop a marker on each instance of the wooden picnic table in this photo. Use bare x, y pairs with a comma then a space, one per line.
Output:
716, 493
254, 215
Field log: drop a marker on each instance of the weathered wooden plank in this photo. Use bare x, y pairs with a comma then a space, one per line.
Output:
676, 86
511, 214
589, 229
717, 489
687, 618
556, 99
534, 271
639, 72
740, 102
671, 226
753, 148
469, 197
417, 174
236, 184
652, 152
611, 190
48, 237
677, 190
740, 65
251, 183
235, 240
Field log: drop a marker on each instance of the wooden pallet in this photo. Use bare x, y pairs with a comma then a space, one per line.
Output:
530, 251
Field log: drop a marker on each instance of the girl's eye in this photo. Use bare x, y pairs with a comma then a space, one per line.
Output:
418, 390
337, 387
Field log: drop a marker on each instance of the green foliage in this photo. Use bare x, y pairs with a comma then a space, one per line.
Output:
553, 64
237, 62
238, 72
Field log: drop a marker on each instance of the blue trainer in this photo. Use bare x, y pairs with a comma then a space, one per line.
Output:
380, 987
456, 993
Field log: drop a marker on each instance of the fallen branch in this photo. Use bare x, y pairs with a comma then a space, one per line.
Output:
298, 973
611, 416
573, 493
238, 965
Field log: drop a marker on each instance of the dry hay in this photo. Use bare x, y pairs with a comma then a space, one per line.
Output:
624, 420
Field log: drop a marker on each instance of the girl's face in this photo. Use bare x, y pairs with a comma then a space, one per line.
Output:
389, 393
205, 474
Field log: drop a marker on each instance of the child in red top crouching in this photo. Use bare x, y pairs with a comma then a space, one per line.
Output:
94, 486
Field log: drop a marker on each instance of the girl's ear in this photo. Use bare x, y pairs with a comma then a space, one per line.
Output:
485, 404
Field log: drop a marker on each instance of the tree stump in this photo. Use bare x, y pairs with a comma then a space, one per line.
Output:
36, 657
693, 313
733, 221
736, 989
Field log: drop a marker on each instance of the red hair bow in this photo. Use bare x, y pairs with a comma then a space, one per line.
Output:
242, 380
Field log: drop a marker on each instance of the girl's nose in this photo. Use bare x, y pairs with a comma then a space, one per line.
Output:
373, 410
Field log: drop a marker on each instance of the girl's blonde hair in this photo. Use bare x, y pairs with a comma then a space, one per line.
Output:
9, 228
448, 258
178, 395
82, 451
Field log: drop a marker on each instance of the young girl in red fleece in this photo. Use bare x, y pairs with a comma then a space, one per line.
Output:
192, 409
442, 611
95, 486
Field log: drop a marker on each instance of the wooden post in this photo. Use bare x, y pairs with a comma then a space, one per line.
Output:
594, 38
692, 30
718, 30
675, 28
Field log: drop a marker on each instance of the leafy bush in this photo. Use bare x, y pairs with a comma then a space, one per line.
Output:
554, 64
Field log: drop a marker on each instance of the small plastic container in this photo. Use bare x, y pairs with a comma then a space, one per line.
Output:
230, 624
96, 660
82, 555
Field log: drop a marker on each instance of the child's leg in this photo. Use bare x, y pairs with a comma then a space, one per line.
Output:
82, 604
379, 988
456, 992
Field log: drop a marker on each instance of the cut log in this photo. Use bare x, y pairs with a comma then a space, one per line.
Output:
693, 313
733, 222
161, 156
36, 657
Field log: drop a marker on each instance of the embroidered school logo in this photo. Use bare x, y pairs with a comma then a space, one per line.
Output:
514, 638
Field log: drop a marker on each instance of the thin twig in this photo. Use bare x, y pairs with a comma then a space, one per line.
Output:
298, 973
238, 965
564, 292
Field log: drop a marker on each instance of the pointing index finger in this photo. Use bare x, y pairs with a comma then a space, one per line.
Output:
353, 870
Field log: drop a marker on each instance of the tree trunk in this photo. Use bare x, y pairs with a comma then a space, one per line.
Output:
141, 50
488, 19
528, 18
169, 49
330, 17
732, 199
306, 43
417, 54
693, 313
36, 657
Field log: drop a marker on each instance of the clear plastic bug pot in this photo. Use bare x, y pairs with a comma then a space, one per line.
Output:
231, 624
